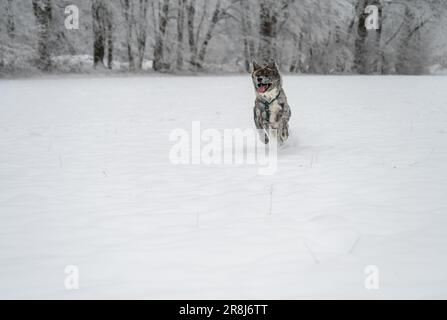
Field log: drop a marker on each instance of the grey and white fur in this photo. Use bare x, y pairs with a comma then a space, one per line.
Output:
271, 111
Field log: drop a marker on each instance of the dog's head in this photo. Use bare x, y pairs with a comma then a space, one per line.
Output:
265, 78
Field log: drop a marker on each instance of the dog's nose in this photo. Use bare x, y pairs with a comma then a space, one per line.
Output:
259, 79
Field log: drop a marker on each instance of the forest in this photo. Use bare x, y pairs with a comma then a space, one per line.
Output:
217, 36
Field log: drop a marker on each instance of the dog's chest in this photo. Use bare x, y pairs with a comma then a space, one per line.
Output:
274, 107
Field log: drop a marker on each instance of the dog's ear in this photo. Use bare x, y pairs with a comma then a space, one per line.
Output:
272, 65
255, 66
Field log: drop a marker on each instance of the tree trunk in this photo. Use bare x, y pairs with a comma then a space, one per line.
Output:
191, 38
360, 53
377, 64
110, 40
268, 22
2, 59
99, 32
214, 20
181, 5
10, 23
297, 63
142, 32
403, 65
43, 13
159, 63
128, 18
247, 35
251, 42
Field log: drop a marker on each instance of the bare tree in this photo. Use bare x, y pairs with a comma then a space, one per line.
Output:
163, 12
181, 8
109, 34
142, 31
268, 29
216, 16
360, 53
99, 31
199, 44
367, 55
409, 49
378, 59
43, 13
191, 11
129, 23
10, 22
246, 25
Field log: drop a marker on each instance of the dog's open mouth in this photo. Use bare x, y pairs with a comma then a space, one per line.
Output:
263, 87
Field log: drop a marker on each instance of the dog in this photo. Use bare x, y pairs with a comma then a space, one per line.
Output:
271, 111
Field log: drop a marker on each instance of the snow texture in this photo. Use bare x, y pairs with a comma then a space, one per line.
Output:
85, 180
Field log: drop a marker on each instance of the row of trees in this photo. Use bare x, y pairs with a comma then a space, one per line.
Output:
303, 36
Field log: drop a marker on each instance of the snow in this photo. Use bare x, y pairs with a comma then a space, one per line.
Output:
84, 63
85, 180
437, 69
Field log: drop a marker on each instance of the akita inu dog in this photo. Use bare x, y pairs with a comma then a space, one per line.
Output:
271, 111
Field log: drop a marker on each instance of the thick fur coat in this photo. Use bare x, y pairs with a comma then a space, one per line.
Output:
271, 111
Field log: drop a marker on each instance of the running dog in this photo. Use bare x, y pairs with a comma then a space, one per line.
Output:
271, 111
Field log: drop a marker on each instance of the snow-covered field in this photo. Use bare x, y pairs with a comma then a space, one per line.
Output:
85, 180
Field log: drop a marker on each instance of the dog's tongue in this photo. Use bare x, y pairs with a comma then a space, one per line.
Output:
261, 89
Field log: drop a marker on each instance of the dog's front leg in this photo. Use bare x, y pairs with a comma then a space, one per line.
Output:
261, 124
275, 123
